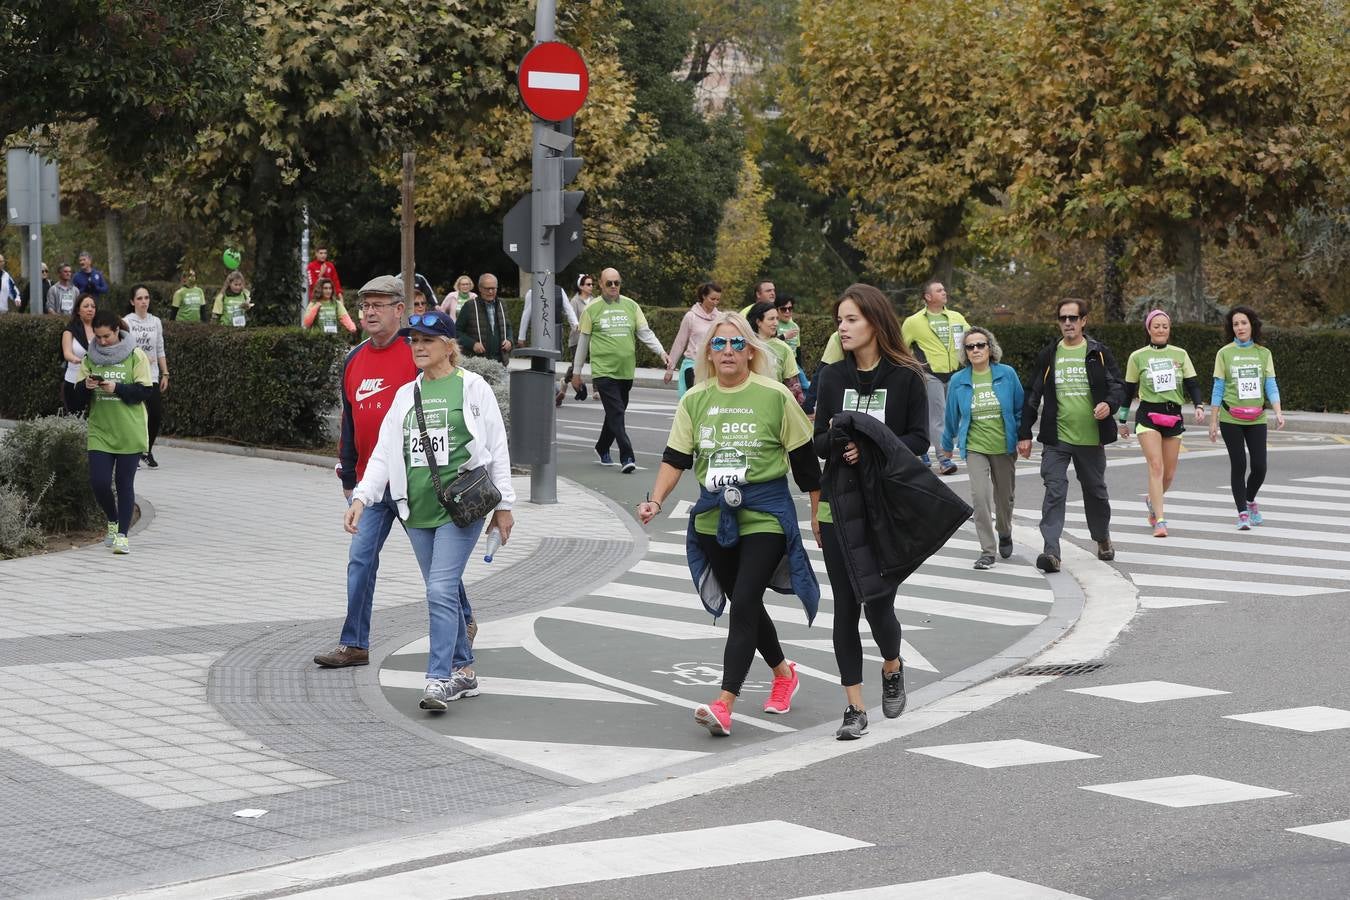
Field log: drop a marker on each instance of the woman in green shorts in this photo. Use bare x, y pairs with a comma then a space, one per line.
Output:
1159, 374
1244, 385
763, 318
741, 432
116, 375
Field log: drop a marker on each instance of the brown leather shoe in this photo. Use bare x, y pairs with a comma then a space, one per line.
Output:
1105, 550
342, 657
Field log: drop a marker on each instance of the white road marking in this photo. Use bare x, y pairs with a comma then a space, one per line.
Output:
1185, 790
1246, 543
1303, 718
591, 763
536, 648
585, 862
1332, 831
1163, 561
672, 629
1174, 602
1230, 585
1268, 488
1011, 592
1147, 691
517, 687
1300, 504
1325, 479
971, 611
1180, 513
997, 754
975, 886
499, 634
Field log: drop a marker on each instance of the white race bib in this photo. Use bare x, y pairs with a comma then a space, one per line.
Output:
67, 305
725, 467
957, 333
1163, 374
330, 329
1249, 383
873, 404
238, 321
439, 443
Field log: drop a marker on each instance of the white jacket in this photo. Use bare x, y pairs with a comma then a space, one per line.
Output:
386, 467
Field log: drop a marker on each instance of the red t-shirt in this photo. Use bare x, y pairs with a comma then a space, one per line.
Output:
370, 379
316, 270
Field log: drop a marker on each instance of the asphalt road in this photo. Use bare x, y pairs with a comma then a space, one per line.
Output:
1205, 758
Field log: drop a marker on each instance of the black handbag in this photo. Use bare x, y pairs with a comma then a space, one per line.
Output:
472, 495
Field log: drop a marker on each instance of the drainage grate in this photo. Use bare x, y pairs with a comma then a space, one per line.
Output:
1059, 669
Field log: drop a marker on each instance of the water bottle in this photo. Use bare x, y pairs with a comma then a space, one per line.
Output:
494, 540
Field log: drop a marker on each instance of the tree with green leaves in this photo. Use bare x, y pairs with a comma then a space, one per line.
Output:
743, 234
904, 102
1170, 123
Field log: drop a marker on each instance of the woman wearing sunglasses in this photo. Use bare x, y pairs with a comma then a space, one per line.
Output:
459, 428
763, 319
1159, 373
741, 432
878, 377
693, 331
984, 408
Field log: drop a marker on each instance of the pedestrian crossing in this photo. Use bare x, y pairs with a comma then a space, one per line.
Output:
1206, 561
595, 862
614, 675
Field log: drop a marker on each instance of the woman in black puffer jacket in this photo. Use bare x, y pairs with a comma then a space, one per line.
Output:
879, 377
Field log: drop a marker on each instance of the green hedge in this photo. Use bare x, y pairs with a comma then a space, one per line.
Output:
272, 386
46, 462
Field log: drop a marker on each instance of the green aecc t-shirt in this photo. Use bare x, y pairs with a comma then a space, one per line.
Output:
116, 426
1159, 372
986, 434
1244, 371
448, 442
613, 329
1073, 397
740, 435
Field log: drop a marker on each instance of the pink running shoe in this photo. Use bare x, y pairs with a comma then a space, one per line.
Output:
715, 717
782, 692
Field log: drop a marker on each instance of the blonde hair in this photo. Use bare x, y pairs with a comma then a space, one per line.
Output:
760, 361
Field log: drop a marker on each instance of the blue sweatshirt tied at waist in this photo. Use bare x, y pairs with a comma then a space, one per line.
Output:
794, 574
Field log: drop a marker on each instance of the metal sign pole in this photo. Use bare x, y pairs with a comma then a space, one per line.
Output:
35, 298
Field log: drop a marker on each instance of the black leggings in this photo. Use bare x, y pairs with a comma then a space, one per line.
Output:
154, 412
848, 652
101, 471
1254, 438
744, 572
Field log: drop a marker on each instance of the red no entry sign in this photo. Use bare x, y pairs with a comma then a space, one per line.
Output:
553, 81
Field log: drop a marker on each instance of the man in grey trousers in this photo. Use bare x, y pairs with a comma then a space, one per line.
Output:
1080, 385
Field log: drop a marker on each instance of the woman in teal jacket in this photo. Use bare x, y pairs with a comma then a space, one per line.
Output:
984, 408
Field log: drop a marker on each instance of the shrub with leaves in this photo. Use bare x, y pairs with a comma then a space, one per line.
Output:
17, 533
46, 461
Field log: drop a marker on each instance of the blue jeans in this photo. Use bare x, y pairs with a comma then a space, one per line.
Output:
363, 563
442, 554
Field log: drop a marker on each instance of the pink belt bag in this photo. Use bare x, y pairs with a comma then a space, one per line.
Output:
1245, 413
1163, 420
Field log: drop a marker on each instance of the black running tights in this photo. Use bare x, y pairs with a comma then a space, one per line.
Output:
848, 654
1254, 438
744, 572
104, 470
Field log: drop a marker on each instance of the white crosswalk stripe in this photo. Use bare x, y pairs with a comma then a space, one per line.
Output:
588, 862
974, 886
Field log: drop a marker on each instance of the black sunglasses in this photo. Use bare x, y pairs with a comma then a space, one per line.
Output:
981, 345
1070, 318
613, 283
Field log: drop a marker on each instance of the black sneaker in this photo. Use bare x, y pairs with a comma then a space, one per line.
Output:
1005, 545
629, 467
1105, 551
1047, 563
150, 461
893, 697
605, 458
984, 562
855, 724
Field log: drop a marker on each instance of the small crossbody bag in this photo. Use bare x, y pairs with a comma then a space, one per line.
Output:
472, 495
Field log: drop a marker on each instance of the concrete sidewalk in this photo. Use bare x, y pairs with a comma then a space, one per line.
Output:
145, 699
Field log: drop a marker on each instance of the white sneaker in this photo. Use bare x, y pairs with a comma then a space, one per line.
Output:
436, 695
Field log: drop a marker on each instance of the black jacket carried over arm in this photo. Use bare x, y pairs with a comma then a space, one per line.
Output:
1104, 382
890, 511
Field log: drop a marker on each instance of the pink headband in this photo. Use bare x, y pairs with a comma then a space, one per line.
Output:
1148, 319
